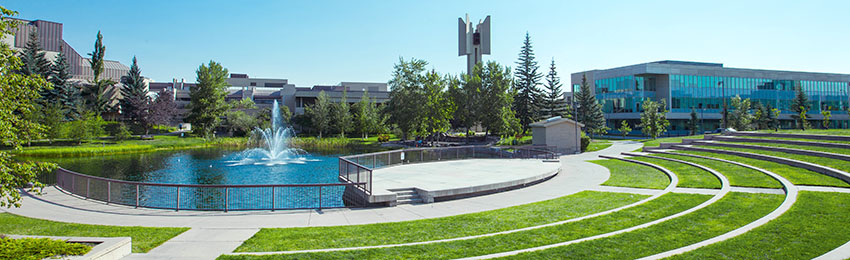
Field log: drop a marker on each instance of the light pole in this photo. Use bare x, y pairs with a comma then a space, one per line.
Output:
725, 111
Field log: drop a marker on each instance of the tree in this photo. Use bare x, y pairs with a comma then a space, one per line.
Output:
67, 94
405, 106
624, 129
741, 117
438, 107
366, 115
760, 116
588, 111
18, 98
123, 132
803, 122
800, 105
320, 113
33, 59
465, 94
98, 92
553, 102
496, 99
774, 118
134, 94
52, 116
162, 110
88, 126
208, 104
693, 124
653, 119
527, 96
341, 115
826, 116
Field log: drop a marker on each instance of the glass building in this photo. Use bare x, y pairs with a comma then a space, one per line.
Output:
702, 87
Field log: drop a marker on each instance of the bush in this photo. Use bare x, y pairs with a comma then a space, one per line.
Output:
383, 138
122, 133
585, 141
38, 248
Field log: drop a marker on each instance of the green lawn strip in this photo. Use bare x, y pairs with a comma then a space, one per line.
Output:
811, 131
733, 211
663, 206
792, 139
678, 139
567, 207
596, 145
817, 223
96, 147
689, 176
144, 238
801, 147
737, 175
626, 174
796, 175
828, 162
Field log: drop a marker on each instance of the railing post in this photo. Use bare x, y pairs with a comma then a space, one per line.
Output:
473, 152
73, 184
88, 184
273, 188
421, 156
108, 192
389, 158
320, 192
358, 175
178, 199
226, 192
137, 196
374, 161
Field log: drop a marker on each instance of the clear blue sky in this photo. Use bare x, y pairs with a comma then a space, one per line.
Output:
325, 42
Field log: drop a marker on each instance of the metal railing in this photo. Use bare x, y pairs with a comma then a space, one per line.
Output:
358, 168
208, 197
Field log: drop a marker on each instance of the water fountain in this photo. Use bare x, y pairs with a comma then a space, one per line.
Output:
275, 142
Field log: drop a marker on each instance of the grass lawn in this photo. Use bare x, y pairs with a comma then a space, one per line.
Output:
816, 224
811, 131
828, 162
658, 208
678, 139
567, 207
689, 176
733, 211
626, 174
144, 238
737, 175
794, 139
801, 147
94, 147
597, 144
796, 175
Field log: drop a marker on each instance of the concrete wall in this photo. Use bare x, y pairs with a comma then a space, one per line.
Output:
564, 136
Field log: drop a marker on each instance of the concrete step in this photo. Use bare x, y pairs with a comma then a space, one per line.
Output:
402, 193
404, 197
409, 201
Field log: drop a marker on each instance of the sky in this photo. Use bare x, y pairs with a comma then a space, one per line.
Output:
327, 42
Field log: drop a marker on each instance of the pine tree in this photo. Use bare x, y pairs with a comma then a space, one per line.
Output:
66, 93
98, 93
33, 59
800, 105
553, 103
693, 124
587, 110
134, 94
527, 96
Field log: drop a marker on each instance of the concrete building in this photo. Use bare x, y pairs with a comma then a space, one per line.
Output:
703, 87
562, 133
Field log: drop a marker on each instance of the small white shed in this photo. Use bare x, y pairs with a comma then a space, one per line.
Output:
565, 134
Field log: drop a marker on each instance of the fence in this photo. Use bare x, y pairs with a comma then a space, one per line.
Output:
208, 197
358, 168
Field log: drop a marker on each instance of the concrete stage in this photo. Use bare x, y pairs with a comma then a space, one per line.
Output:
427, 182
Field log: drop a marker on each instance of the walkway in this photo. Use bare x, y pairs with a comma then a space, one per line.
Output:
214, 233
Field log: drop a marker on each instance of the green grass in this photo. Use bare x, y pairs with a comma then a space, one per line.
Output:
689, 176
737, 175
811, 131
597, 144
817, 223
567, 207
144, 238
509, 140
94, 148
801, 147
626, 174
678, 139
731, 212
829, 162
796, 175
665, 205
793, 139
39, 248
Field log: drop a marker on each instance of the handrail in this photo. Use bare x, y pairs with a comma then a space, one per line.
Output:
202, 185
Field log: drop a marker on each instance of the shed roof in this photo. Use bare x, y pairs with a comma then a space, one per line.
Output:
554, 121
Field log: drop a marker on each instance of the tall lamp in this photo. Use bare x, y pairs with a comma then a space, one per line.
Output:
725, 107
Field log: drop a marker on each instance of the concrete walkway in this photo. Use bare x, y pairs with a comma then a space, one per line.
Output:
215, 233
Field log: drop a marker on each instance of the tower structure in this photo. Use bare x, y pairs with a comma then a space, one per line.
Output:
473, 41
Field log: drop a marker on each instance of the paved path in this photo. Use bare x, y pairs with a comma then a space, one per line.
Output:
231, 228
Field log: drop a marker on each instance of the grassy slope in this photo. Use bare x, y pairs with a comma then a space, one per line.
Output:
144, 238
834, 163
796, 175
801, 147
663, 206
567, 207
678, 139
793, 139
811, 131
596, 145
129, 146
816, 224
626, 174
737, 175
731, 212
689, 176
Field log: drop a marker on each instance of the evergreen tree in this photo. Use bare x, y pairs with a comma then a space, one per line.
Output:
67, 94
693, 124
800, 105
320, 113
33, 57
587, 110
653, 119
208, 104
528, 94
553, 102
98, 92
342, 120
134, 94
405, 106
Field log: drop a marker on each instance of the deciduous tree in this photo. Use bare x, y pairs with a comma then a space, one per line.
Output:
405, 106
320, 113
653, 119
624, 129
741, 119
693, 123
207, 104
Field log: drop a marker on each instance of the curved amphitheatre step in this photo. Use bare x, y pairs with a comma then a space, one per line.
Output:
797, 136
674, 180
791, 192
725, 189
724, 138
841, 175
778, 149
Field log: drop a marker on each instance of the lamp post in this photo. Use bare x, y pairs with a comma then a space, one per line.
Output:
725, 107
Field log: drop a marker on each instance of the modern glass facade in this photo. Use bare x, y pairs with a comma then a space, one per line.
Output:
624, 94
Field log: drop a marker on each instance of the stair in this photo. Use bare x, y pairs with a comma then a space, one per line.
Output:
407, 196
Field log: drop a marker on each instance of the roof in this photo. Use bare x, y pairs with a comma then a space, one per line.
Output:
554, 121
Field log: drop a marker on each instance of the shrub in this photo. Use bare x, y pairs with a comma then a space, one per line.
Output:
38, 248
122, 133
383, 138
585, 141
